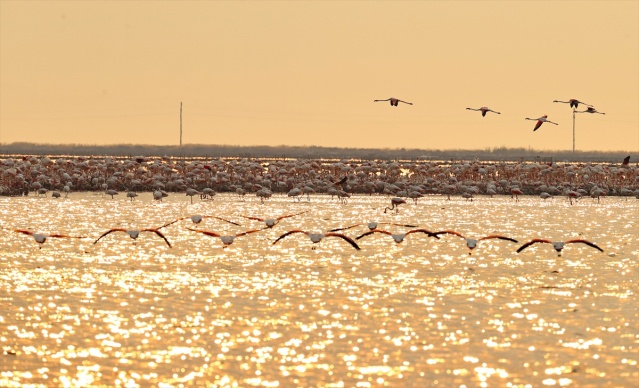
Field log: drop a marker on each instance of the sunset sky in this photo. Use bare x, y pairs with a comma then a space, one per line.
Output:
307, 72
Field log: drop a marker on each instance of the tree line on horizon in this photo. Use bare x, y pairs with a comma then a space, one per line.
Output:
308, 152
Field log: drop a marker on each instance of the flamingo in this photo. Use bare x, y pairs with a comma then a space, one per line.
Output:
573, 103
573, 194
395, 202
394, 101
134, 233
483, 110
626, 161
398, 237
558, 245
40, 238
541, 120
226, 240
271, 222
590, 109
196, 219
317, 237
471, 243
372, 226
516, 192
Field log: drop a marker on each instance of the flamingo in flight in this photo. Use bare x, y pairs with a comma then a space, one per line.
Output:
471, 243
395, 202
558, 245
226, 240
541, 120
590, 109
317, 237
573, 103
372, 226
398, 237
41, 238
134, 233
483, 110
271, 222
196, 219
394, 101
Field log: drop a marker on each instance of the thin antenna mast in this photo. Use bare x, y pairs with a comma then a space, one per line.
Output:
180, 124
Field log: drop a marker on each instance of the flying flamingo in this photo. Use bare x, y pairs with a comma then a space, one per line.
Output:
317, 237
196, 219
471, 243
483, 110
271, 222
40, 238
398, 237
558, 245
226, 240
394, 101
395, 202
590, 109
134, 233
573, 103
541, 120
372, 226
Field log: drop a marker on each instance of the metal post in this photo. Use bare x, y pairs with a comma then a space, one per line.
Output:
573, 115
573, 130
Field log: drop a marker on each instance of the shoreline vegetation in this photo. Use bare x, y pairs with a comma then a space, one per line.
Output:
309, 152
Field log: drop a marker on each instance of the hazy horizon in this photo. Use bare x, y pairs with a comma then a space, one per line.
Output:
306, 73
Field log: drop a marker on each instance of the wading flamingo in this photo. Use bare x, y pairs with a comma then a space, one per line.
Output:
395, 202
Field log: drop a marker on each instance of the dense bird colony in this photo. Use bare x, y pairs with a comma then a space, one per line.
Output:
300, 178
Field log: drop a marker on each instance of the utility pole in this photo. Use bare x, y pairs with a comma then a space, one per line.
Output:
181, 125
573, 130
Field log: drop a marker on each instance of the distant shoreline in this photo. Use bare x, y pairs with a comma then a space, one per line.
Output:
310, 152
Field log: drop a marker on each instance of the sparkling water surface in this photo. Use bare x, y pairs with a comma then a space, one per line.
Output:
420, 313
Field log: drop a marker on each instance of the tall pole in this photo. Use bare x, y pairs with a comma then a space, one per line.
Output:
573, 118
573, 130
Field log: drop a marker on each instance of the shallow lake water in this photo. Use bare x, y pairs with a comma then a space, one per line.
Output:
424, 312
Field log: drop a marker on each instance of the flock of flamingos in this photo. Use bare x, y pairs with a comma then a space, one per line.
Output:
298, 179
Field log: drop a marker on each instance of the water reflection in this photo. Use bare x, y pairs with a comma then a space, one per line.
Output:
419, 313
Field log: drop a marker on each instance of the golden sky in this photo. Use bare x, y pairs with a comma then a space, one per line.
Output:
307, 72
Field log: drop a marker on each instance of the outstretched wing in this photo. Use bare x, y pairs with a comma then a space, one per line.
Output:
449, 232
291, 215
402, 225
371, 232
248, 232
206, 232
584, 242
533, 241
409, 103
109, 232
499, 237
64, 236
290, 232
428, 232
223, 219
30, 233
172, 222
346, 228
253, 218
344, 237
154, 230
